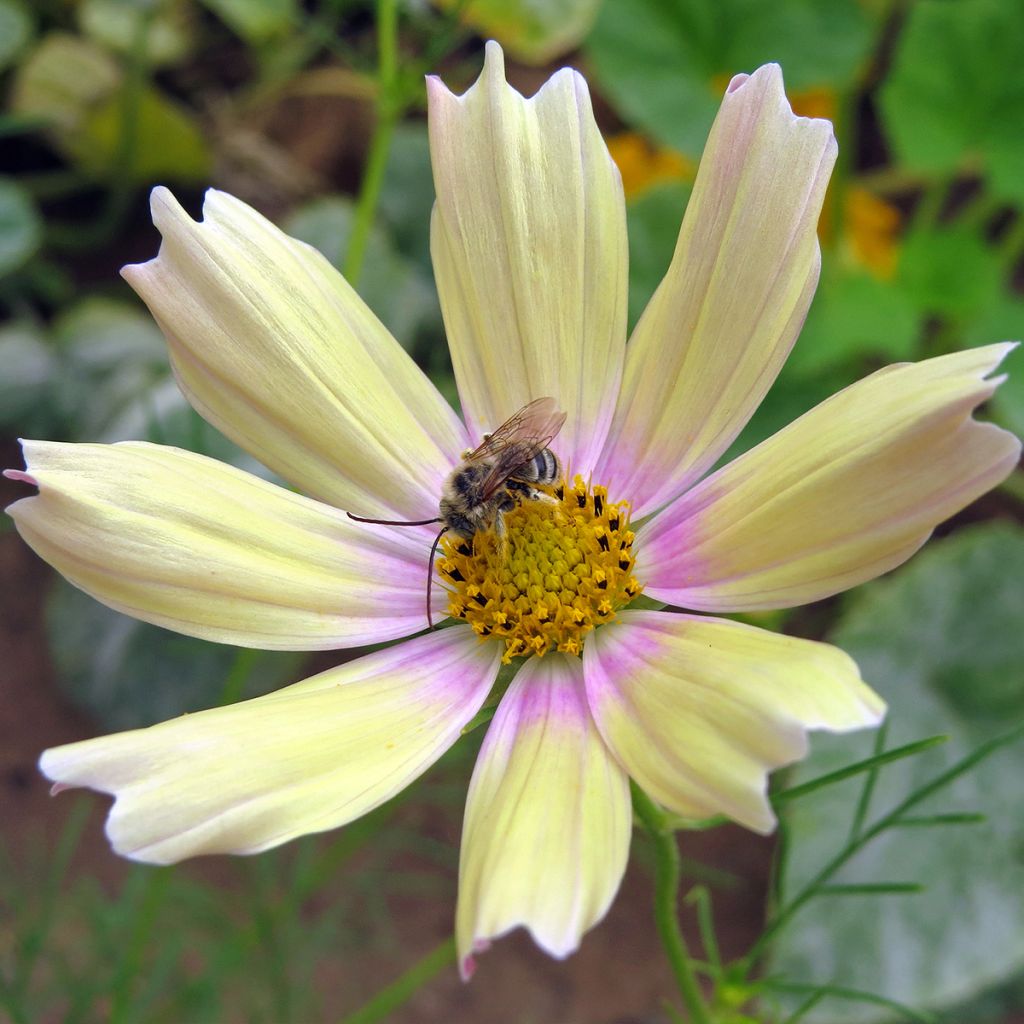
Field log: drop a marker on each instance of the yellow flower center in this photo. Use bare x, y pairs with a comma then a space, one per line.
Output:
554, 571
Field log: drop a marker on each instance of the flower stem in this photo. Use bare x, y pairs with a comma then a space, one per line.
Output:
390, 998
1011, 245
666, 901
238, 675
389, 107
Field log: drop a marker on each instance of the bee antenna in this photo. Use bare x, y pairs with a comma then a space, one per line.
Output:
394, 522
430, 570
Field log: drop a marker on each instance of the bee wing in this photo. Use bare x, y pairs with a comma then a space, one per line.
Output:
518, 440
507, 462
535, 424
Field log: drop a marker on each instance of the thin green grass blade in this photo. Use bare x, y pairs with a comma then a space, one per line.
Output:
858, 768
850, 995
938, 820
394, 995
870, 779
871, 889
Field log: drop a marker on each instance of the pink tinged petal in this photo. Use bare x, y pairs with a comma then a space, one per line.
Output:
529, 248
310, 757
847, 492
723, 320
546, 834
274, 348
193, 545
700, 710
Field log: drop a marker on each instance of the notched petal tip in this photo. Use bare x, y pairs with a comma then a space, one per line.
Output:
763, 825
50, 771
163, 205
167, 215
492, 76
21, 476
736, 83
768, 80
467, 964
997, 353
494, 59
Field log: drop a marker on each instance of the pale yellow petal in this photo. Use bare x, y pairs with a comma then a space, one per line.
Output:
274, 348
310, 757
700, 710
847, 492
529, 248
194, 545
723, 320
547, 827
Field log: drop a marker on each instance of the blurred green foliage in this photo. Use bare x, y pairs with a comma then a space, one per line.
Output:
940, 642
665, 63
249, 940
275, 100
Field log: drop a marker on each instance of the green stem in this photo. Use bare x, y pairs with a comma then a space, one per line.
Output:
868, 789
666, 901
238, 676
1011, 245
270, 932
153, 888
389, 107
32, 946
394, 995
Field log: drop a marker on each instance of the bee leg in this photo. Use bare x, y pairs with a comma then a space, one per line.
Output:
527, 492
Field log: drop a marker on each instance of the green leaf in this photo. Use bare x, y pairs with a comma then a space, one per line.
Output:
111, 353
256, 21
21, 230
168, 142
74, 86
62, 80
665, 63
393, 287
790, 397
956, 92
653, 220
533, 31
128, 674
113, 382
940, 641
15, 30
28, 363
948, 271
854, 317
115, 24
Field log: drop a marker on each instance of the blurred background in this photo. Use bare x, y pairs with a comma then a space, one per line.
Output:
286, 104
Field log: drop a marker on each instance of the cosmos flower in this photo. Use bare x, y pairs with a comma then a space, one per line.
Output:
274, 348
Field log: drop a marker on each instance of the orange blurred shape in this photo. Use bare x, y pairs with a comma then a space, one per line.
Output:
872, 230
643, 165
816, 102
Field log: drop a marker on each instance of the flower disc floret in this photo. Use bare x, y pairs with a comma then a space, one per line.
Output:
550, 573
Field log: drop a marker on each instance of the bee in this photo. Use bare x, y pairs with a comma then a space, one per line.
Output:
507, 468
